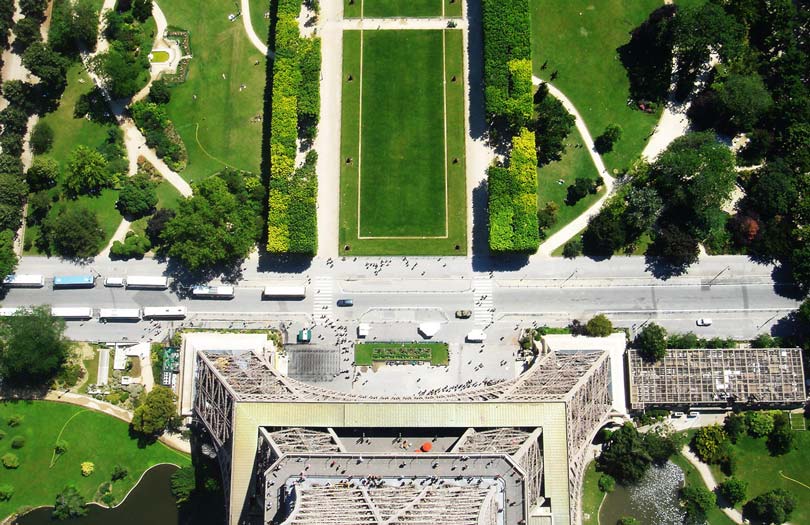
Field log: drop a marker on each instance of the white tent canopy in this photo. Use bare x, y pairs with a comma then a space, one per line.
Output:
429, 329
363, 329
476, 336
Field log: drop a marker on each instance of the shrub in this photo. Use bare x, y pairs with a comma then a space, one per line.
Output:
69, 504
10, 461
18, 442
6, 492
599, 326
733, 490
183, 484
138, 196
651, 342
627, 520
87, 468
134, 246
15, 420
697, 501
572, 248
780, 439
606, 483
710, 444
735, 426
580, 189
119, 472
2, 435
61, 447
759, 424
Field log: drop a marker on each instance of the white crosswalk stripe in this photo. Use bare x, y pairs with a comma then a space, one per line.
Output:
484, 304
323, 292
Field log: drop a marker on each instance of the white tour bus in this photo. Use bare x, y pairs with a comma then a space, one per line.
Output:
146, 282
123, 314
212, 292
24, 281
71, 312
164, 312
284, 292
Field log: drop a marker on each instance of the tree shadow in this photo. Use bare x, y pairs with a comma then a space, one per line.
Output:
647, 59
663, 268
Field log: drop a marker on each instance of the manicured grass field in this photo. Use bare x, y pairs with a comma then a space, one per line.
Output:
217, 126
160, 57
579, 39
591, 496
575, 163
401, 8
260, 24
70, 132
366, 354
412, 192
90, 436
762, 471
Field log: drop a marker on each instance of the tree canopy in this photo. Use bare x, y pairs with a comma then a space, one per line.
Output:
74, 231
651, 342
87, 172
138, 196
158, 409
33, 346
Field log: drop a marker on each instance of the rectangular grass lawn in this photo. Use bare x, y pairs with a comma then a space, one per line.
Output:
365, 354
401, 8
403, 181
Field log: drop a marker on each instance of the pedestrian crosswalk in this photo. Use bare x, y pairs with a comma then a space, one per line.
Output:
323, 293
483, 314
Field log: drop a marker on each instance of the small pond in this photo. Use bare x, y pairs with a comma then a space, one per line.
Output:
151, 502
652, 501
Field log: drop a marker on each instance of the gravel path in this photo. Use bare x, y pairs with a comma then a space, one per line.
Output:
401, 23
578, 224
257, 42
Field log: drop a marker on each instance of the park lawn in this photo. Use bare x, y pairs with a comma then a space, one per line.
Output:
579, 39
762, 471
364, 352
90, 436
219, 127
691, 477
403, 145
591, 495
401, 8
261, 25
575, 163
70, 132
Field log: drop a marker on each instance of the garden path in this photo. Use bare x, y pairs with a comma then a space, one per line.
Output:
368, 24
257, 42
708, 479
578, 224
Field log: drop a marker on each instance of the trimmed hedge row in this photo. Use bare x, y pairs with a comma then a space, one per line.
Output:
507, 60
513, 224
292, 197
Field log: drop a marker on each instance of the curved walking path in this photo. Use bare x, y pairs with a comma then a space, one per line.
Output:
257, 42
578, 224
708, 479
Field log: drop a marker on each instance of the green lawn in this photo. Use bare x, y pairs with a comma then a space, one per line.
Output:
90, 436
260, 24
762, 471
591, 496
70, 132
91, 365
401, 8
575, 163
366, 354
218, 126
579, 39
407, 184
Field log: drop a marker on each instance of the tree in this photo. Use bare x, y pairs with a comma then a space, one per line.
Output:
627, 520
6, 492
158, 409
547, 215
710, 443
27, 32
572, 248
605, 142
183, 484
42, 174
87, 172
69, 504
118, 473
159, 92
580, 189
733, 490
781, 438
41, 137
774, 506
552, 126
764, 341
697, 502
677, 246
33, 347
606, 483
759, 423
660, 446
742, 100
45, 63
651, 342
13, 191
211, 228
134, 246
605, 232
141, 9
599, 326
624, 456
73, 232
14, 120
17, 93
157, 223
138, 196
735, 426
120, 70
74, 24
34, 8
8, 258
643, 207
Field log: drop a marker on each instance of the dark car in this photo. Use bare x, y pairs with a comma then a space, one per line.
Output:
345, 302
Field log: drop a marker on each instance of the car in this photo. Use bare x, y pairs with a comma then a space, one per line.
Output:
704, 321
114, 282
463, 314
345, 302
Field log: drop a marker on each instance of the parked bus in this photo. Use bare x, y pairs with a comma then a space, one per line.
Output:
164, 312
24, 281
212, 292
147, 283
119, 314
8, 312
284, 292
71, 312
74, 281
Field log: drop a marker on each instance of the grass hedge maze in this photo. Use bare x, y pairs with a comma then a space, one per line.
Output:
292, 202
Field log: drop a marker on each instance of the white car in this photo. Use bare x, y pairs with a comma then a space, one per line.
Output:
704, 321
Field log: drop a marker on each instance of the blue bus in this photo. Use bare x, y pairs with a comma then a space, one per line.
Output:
74, 281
